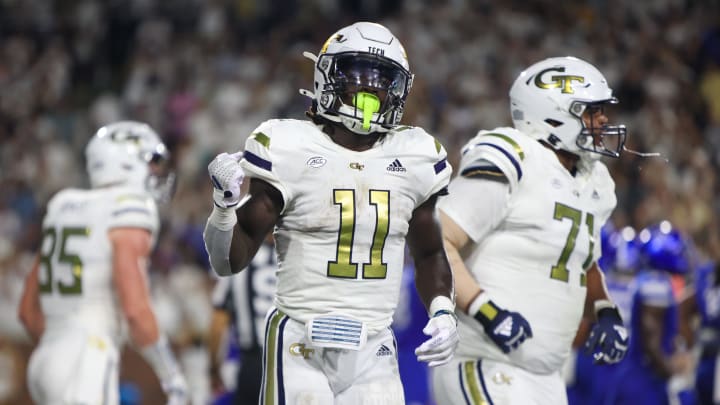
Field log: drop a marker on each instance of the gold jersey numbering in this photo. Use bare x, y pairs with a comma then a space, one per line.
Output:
560, 271
70, 260
343, 266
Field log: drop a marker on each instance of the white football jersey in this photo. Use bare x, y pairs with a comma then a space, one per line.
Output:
534, 260
75, 276
341, 235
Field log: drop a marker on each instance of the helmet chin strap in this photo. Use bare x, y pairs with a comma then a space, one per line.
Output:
369, 104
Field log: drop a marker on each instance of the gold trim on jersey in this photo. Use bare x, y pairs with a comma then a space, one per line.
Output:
471, 382
511, 141
271, 351
262, 139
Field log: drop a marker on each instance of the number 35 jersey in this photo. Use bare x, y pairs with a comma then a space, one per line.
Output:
75, 275
340, 238
533, 259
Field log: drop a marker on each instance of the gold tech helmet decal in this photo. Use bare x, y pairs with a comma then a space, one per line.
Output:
563, 82
334, 37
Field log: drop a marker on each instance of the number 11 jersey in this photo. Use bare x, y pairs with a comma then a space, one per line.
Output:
340, 238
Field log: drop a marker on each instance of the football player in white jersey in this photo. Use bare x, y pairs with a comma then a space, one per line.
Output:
89, 283
344, 192
521, 226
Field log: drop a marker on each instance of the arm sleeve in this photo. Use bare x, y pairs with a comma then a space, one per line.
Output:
217, 244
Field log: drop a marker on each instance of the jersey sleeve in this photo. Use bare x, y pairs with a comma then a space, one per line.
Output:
131, 209
260, 155
442, 170
494, 153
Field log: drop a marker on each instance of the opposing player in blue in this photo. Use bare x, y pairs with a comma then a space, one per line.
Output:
704, 306
620, 261
653, 357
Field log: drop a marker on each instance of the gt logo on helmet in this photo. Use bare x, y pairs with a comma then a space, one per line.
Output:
563, 82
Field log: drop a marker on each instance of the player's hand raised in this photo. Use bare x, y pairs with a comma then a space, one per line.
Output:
507, 329
227, 177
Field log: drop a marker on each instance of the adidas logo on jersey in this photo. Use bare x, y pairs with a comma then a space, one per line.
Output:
396, 166
383, 351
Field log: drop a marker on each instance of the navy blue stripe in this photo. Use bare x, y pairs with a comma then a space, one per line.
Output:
257, 160
265, 349
482, 382
439, 166
133, 209
280, 385
509, 156
491, 169
462, 385
395, 346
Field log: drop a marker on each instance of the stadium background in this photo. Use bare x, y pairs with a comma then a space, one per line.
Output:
205, 73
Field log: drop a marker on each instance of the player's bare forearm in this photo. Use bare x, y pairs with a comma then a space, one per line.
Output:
596, 290
256, 218
131, 248
30, 310
454, 238
433, 276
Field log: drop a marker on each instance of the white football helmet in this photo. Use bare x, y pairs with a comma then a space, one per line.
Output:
123, 153
547, 102
362, 78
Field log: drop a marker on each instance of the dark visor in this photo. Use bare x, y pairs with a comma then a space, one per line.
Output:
367, 70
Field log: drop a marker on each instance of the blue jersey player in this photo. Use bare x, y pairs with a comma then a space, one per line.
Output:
706, 305
653, 357
619, 261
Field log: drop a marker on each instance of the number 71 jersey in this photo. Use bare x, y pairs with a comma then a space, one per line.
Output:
534, 259
340, 238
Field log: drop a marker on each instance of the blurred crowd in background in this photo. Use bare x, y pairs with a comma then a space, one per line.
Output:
205, 73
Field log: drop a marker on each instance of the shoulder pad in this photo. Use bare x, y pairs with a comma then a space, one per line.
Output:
495, 153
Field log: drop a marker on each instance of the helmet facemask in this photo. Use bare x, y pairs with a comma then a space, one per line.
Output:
364, 91
598, 138
160, 182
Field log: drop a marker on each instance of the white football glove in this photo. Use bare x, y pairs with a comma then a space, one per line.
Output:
439, 349
176, 389
226, 176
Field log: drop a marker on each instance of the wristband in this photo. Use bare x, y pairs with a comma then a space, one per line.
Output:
603, 304
441, 305
223, 219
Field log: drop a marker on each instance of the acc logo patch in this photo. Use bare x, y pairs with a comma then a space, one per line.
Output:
316, 161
